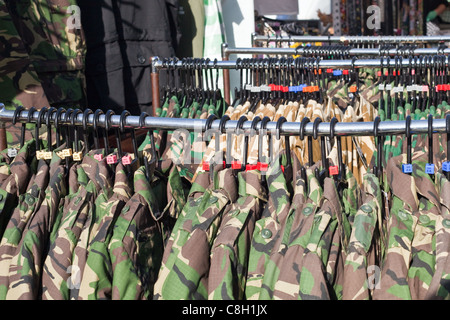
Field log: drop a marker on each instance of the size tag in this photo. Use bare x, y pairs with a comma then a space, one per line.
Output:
126, 160
388, 87
45, 155
98, 157
205, 166
398, 89
262, 166
334, 170
12, 152
77, 156
446, 166
381, 87
112, 159
429, 168
407, 168
66, 152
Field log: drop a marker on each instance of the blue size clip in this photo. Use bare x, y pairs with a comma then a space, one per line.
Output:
446, 166
429, 168
407, 168
293, 89
337, 72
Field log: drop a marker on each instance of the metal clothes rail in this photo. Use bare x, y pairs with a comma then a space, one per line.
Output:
351, 39
230, 126
227, 51
158, 64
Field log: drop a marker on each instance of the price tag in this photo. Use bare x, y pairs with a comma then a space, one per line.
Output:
12, 152
77, 156
334, 170
407, 168
429, 168
446, 166
126, 160
112, 159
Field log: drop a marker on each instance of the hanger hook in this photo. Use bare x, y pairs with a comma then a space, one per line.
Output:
50, 112
38, 126
57, 126
73, 117
86, 114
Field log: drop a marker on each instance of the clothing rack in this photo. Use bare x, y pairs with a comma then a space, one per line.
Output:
158, 64
351, 39
199, 125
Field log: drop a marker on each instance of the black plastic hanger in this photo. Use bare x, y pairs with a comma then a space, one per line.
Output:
149, 165
321, 175
14, 121
48, 124
303, 124
58, 126
41, 115
86, 129
429, 168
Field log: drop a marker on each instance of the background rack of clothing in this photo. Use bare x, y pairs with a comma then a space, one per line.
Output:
355, 63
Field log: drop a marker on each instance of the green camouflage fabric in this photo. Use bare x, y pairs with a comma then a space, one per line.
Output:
19, 223
54, 45
15, 178
285, 283
438, 288
315, 282
349, 194
393, 283
177, 193
25, 270
185, 266
423, 259
58, 275
278, 253
136, 245
15, 211
230, 251
409, 263
20, 84
100, 184
268, 230
96, 280
363, 242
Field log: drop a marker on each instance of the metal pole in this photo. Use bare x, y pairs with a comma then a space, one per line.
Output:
198, 125
359, 39
156, 101
226, 75
227, 51
332, 64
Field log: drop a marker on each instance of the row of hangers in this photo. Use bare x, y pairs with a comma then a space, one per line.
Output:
192, 81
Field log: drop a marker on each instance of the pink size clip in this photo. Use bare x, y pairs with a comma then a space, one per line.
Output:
111, 159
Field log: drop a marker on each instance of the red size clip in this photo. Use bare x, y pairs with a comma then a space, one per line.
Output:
236, 165
345, 72
250, 167
205, 166
262, 166
98, 157
334, 170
